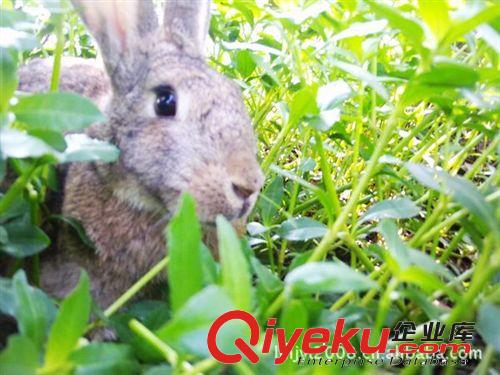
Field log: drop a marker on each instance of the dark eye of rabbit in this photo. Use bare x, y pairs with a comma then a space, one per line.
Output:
166, 101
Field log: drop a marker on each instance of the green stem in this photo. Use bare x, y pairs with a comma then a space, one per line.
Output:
166, 351
56, 70
332, 234
115, 306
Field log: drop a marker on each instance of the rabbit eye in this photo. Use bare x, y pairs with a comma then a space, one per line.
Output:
166, 101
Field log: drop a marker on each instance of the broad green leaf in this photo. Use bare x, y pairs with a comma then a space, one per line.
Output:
435, 15
188, 329
490, 36
270, 199
364, 76
487, 324
398, 208
395, 245
333, 94
209, 266
410, 28
101, 352
423, 279
34, 311
245, 64
16, 144
301, 229
293, 316
53, 138
8, 77
24, 240
463, 27
361, 29
448, 73
20, 357
8, 297
159, 370
185, 275
16, 19
69, 325
303, 103
461, 190
16, 39
235, 272
405, 256
104, 358
266, 277
57, 111
125, 367
326, 277
82, 148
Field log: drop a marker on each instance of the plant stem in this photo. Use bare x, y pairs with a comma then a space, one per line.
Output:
332, 234
160, 266
56, 70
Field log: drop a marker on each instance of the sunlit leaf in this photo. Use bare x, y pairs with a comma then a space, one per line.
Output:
326, 277
184, 241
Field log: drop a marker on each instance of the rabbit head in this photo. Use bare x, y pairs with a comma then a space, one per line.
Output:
180, 126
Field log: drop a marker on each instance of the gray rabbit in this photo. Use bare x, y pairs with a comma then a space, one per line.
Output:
180, 127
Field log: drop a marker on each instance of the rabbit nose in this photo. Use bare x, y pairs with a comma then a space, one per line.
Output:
242, 192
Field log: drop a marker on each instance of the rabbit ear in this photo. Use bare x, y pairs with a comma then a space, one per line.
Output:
186, 24
120, 28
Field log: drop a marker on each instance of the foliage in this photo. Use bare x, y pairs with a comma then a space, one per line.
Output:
377, 130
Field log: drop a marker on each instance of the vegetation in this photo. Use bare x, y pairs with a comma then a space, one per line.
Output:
377, 128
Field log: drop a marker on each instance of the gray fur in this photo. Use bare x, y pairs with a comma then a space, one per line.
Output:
204, 150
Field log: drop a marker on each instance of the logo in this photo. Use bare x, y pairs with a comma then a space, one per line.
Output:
316, 341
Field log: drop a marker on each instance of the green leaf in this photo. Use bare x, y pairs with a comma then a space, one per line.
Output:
16, 144
406, 256
83, 148
410, 28
435, 15
448, 73
19, 358
293, 316
16, 39
245, 64
303, 103
270, 199
398, 208
364, 76
361, 29
458, 29
188, 330
487, 324
70, 324
34, 311
159, 370
324, 277
333, 94
57, 111
8, 77
24, 239
184, 241
8, 297
461, 190
236, 277
51, 137
301, 229
104, 358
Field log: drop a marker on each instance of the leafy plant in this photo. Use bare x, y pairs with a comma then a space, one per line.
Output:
377, 128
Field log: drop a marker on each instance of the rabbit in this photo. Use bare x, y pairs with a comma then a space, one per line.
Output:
180, 127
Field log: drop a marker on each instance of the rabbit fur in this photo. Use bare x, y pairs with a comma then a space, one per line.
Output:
207, 149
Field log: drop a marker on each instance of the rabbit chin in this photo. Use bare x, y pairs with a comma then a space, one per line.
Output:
138, 198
